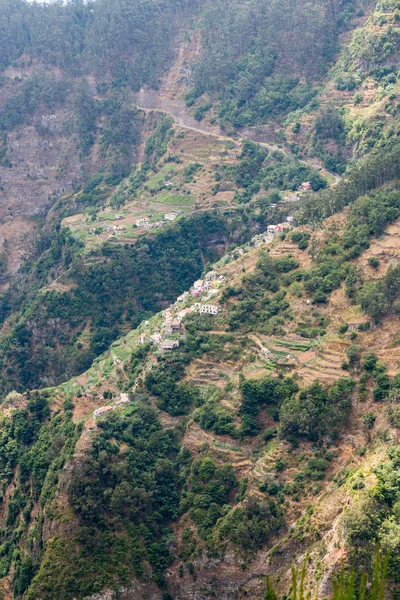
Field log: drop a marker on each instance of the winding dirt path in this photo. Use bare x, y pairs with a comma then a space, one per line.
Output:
149, 101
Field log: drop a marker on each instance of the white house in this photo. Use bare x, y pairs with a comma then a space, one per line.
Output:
102, 411
142, 222
209, 309
272, 228
169, 345
170, 216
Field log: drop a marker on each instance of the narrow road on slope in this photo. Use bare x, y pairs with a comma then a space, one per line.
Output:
181, 118
185, 121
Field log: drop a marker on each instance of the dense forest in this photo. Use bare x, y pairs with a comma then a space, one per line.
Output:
258, 60
129, 42
248, 60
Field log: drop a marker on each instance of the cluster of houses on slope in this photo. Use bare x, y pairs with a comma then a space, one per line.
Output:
172, 317
145, 223
103, 410
111, 228
172, 325
210, 284
272, 231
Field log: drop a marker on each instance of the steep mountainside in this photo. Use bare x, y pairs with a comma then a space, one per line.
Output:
65, 97
231, 454
200, 288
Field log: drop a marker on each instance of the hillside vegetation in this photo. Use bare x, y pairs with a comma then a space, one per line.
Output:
251, 449
200, 298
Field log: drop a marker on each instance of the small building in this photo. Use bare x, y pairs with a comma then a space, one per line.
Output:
199, 285
183, 313
169, 345
142, 222
102, 411
272, 228
265, 353
183, 297
209, 309
306, 186
123, 399
167, 326
170, 216
282, 226
119, 217
210, 276
176, 325
156, 337
290, 219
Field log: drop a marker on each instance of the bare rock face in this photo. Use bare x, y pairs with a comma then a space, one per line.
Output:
214, 579
42, 163
137, 591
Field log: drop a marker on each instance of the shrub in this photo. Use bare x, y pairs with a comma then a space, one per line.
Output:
369, 420
353, 354
381, 392
374, 262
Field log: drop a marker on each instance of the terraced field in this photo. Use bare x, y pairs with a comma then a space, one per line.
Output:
325, 367
171, 188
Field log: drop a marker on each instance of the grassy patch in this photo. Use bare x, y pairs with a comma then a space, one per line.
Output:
158, 178
173, 199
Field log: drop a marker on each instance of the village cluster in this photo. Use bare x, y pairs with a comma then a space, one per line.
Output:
108, 227
272, 231
141, 223
172, 330
172, 317
145, 222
